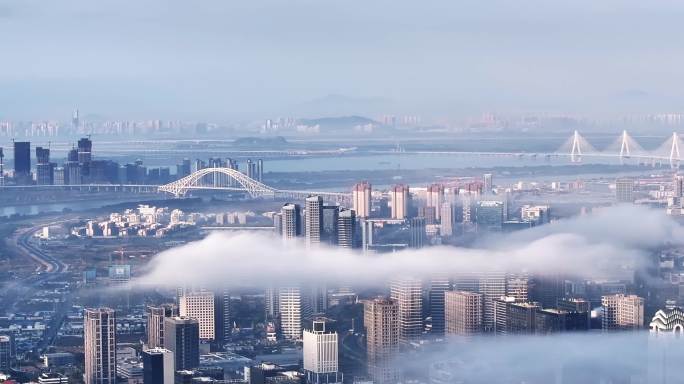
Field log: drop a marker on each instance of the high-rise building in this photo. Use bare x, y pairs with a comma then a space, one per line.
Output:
222, 315
579, 306
547, 289
2, 167
22, 162
85, 155
463, 313
155, 323
272, 302
399, 201
407, 293
429, 214
678, 186
44, 169
439, 285
491, 285
574, 305
182, 337
72, 170
624, 190
381, 321
538, 214
199, 305
512, 316
317, 299
417, 232
6, 353
346, 228
447, 220
487, 184
551, 320
331, 220
361, 199
320, 355
291, 312
313, 222
291, 221
435, 198
99, 346
489, 216
260, 170
251, 169
622, 312
518, 286
75, 123
159, 366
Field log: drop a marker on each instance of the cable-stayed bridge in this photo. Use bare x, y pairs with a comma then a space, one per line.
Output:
623, 147
576, 147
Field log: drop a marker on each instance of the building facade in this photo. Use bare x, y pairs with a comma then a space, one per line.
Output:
381, 321
155, 323
463, 313
200, 305
99, 346
320, 355
407, 293
182, 337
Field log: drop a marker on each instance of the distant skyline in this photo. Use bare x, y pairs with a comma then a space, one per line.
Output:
241, 60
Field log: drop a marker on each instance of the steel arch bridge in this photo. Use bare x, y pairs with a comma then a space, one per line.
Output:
228, 179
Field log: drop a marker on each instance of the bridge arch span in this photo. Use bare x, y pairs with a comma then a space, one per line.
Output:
227, 179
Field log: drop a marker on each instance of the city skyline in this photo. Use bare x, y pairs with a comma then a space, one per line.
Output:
352, 192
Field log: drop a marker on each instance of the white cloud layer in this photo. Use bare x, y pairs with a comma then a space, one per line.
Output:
607, 244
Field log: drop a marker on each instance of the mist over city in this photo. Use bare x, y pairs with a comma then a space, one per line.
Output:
328, 192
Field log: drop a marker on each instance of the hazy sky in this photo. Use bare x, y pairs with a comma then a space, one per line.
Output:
221, 59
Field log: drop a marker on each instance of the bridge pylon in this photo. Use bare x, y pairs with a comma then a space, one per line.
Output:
576, 150
674, 151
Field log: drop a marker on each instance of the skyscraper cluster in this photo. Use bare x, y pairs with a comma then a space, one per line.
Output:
317, 223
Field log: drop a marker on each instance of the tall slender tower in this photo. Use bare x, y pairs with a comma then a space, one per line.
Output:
291, 310
381, 320
75, 123
399, 199
361, 199
435, 198
346, 228
99, 338
2, 167
155, 323
407, 293
314, 220
492, 285
182, 337
22, 162
291, 221
439, 285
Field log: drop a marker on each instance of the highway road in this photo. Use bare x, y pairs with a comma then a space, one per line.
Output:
47, 268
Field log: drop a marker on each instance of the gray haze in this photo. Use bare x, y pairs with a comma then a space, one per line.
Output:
631, 357
244, 59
